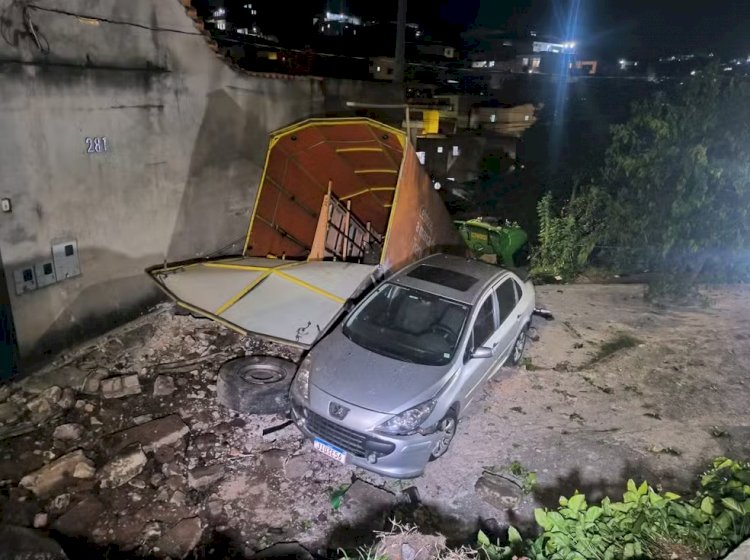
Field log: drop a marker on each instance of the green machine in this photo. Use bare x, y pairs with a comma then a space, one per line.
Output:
504, 240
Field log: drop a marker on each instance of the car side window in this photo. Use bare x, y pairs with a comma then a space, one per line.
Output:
484, 324
506, 299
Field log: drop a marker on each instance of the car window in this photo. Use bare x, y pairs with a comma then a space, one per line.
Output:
484, 324
408, 325
506, 299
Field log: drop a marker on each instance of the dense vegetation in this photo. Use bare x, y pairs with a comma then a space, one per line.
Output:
645, 524
671, 197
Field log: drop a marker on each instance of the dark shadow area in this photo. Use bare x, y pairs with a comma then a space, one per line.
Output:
595, 490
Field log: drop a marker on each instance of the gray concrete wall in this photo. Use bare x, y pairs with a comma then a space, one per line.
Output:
186, 134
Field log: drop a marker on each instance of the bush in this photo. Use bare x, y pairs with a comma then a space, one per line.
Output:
645, 524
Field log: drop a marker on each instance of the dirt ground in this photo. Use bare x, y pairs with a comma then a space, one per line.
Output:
659, 408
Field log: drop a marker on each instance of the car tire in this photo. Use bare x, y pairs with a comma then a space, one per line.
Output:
448, 426
255, 384
516, 353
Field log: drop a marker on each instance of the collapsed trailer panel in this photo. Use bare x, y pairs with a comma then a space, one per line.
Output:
342, 203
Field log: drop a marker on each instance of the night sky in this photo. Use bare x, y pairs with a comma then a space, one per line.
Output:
607, 28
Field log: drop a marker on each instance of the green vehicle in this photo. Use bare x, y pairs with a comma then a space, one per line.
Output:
504, 240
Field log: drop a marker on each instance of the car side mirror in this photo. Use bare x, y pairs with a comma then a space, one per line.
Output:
481, 353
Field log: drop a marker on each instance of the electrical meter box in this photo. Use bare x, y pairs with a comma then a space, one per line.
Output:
45, 273
65, 258
25, 280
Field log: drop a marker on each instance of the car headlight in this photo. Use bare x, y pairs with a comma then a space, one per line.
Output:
301, 384
408, 422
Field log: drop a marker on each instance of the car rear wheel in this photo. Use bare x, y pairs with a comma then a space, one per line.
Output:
447, 431
518, 347
255, 384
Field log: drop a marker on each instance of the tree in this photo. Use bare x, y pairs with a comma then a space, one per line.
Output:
674, 191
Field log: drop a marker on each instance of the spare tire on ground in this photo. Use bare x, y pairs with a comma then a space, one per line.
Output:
256, 384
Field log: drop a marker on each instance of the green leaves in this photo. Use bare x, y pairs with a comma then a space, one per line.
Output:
336, 497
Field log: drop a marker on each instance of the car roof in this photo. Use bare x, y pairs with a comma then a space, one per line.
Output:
428, 275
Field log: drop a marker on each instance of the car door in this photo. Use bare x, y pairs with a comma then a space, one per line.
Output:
509, 320
483, 328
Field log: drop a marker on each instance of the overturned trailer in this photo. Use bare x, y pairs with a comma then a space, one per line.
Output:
341, 204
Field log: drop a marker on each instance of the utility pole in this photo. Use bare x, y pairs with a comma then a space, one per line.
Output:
400, 69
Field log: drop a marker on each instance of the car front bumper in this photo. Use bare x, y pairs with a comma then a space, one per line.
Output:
391, 456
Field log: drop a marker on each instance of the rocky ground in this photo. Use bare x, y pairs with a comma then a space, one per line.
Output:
120, 446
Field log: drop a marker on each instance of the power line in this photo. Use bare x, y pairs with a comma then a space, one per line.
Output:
113, 21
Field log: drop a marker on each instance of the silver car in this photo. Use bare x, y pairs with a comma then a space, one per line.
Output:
384, 391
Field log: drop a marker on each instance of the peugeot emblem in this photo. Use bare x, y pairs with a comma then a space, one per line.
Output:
337, 411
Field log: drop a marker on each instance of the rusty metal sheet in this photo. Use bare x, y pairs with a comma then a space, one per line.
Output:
419, 224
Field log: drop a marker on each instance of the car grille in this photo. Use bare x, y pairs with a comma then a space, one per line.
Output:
348, 440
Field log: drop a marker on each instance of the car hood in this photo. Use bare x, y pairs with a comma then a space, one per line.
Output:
369, 380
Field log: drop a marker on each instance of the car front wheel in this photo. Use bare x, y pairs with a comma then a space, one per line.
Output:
446, 430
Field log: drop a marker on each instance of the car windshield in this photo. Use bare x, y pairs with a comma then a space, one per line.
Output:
408, 325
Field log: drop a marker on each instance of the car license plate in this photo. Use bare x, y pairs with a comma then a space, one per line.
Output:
331, 450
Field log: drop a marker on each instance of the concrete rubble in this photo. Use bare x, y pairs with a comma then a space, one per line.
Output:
182, 474
128, 464
119, 387
54, 476
180, 539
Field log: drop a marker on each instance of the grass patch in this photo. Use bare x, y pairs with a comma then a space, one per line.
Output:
621, 341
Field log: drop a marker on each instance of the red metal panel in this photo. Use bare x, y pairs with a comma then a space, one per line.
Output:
420, 224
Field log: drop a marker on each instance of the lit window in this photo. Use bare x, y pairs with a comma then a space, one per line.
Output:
243, 31
440, 149
219, 12
221, 24
526, 117
493, 117
248, 6
377, 69
254, 12
456, 151
420, 157
491, 64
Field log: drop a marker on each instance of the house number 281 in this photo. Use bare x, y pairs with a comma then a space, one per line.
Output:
96, 144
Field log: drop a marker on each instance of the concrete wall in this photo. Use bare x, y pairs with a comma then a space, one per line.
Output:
186, 138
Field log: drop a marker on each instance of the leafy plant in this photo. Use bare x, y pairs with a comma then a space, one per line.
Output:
645, 524
517, 474
336, 496
672, 196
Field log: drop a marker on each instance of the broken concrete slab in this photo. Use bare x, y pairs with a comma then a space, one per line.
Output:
54, 475
9, 413
126, 466
164, 386
41, 409
274, 459
4, 393
52, 394
93, 381
80, 520
178, 541
66, 376
67, 399
153, 435
84, 471
22, 543
202, 477
40, 520
121, 386
498, 491
742, 552
68, 432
